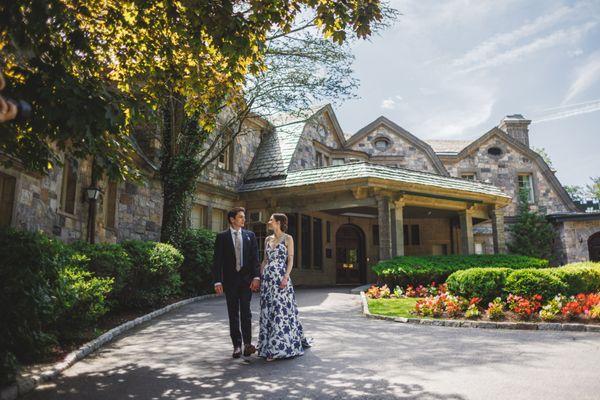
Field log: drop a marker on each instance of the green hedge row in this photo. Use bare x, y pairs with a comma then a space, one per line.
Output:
488, 284
410, 270
53, 293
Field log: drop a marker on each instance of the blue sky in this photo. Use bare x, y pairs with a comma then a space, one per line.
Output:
452, 69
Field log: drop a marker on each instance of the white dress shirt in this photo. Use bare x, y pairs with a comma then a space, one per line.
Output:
232, 231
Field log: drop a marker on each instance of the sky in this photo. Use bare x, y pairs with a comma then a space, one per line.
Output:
452, 69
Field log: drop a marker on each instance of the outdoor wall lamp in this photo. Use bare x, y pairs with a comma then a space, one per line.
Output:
93, 193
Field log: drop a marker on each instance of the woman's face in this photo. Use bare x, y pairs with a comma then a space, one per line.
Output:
272, 223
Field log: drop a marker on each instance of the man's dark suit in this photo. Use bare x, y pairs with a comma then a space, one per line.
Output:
236, 285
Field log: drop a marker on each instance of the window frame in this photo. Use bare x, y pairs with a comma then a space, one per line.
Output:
531, 192
70, 167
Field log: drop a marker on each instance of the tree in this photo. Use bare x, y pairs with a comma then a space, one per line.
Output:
576, 192
593, 188
544, 154
531, 234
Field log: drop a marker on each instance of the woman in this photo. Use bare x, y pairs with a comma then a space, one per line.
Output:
281, 334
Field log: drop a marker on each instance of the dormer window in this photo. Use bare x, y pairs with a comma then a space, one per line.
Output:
381, 144
319, 159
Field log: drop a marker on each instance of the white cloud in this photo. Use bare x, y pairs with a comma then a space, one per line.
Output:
587, 75
559, 37
568, 111
489, 48
575, 53
388, 104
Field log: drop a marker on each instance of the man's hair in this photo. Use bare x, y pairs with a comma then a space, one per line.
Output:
234, 212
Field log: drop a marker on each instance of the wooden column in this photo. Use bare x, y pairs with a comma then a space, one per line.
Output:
466, 232
385, 231
498, 232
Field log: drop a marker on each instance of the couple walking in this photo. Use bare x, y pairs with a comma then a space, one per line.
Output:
237, 273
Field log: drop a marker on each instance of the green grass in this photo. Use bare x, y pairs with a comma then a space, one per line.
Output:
393, 307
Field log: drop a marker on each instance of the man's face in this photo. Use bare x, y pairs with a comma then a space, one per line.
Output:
239, 220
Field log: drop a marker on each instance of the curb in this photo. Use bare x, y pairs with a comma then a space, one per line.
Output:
28, 384
460, 323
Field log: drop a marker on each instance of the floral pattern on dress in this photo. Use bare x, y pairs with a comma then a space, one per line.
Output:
281, 334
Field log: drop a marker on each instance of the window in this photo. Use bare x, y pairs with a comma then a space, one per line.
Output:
319, 159
406, 235
7, 198
338, 161
415, 235
260, 230
478, 248
468, 176
293, 231
198, 217
525, 183
495, 151
326, 158
306, 242
375, 231
69, 187
328, 229
225, 159
381, 144
110, 205
317, 243
219, 220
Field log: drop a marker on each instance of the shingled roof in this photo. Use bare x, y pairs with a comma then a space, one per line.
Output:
369, 170
448, 146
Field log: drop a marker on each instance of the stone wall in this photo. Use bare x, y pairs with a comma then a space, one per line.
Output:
503, 170
409, 156
321, 130
572, 242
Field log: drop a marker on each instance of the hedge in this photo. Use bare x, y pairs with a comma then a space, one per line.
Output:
58, 292
485, 283
197, 247
568, 280
411, 270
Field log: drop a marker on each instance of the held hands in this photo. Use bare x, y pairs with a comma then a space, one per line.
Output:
219, 289
255, 285
284, 281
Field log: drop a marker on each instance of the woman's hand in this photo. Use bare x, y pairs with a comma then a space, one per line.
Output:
284, 282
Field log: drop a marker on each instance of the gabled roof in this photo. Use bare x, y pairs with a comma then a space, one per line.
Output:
398, 130
562, 193
363, 170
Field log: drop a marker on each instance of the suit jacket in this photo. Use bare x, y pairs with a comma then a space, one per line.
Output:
223, 269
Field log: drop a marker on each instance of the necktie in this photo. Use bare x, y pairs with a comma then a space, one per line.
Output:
238, 251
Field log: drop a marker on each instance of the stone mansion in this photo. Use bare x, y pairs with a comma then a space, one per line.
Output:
351, 199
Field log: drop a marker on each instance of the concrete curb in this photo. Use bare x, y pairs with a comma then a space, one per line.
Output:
28, 384
456, 323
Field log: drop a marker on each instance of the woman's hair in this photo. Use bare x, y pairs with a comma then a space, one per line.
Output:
282, 219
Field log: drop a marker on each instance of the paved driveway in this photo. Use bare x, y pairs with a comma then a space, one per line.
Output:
186, 355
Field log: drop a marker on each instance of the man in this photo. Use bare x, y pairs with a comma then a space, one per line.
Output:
236, 271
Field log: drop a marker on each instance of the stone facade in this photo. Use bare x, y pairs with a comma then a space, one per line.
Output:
320, 130
572, 241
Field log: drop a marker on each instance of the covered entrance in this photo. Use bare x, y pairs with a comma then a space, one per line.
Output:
594, 247
350, 263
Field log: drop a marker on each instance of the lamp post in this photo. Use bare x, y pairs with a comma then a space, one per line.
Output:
93, 193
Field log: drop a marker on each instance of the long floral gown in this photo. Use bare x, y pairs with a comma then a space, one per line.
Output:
281, 334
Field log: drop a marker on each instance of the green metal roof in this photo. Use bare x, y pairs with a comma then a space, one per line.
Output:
369, 170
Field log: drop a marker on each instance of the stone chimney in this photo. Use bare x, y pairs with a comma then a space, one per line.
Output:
517, 127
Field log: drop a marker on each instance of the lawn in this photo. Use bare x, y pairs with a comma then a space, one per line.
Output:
393, 307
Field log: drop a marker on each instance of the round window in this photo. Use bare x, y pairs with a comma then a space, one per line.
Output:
495, 151
381, 144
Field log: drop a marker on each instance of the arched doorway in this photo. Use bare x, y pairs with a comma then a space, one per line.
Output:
594, 246
351, 266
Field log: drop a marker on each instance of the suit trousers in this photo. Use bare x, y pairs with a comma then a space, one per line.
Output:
238, 307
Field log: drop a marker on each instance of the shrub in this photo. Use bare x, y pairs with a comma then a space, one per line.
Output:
580, 277
485, 283
81, 299
109, 261
415, 271
197, 246
155, 272
495, 310
29, 264
529, 282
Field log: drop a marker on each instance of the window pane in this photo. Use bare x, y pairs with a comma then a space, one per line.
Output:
260, 230
198, 216
317, 243
293, 231
319, 159
470, 177
415, 235
375, 235
69, 187
338, 161
328, 232
406, 235
306, 242
111, 204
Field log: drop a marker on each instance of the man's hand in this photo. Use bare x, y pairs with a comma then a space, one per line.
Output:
255, 285
219, 289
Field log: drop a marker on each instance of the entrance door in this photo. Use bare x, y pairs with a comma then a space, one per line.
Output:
594, 246
350, 263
